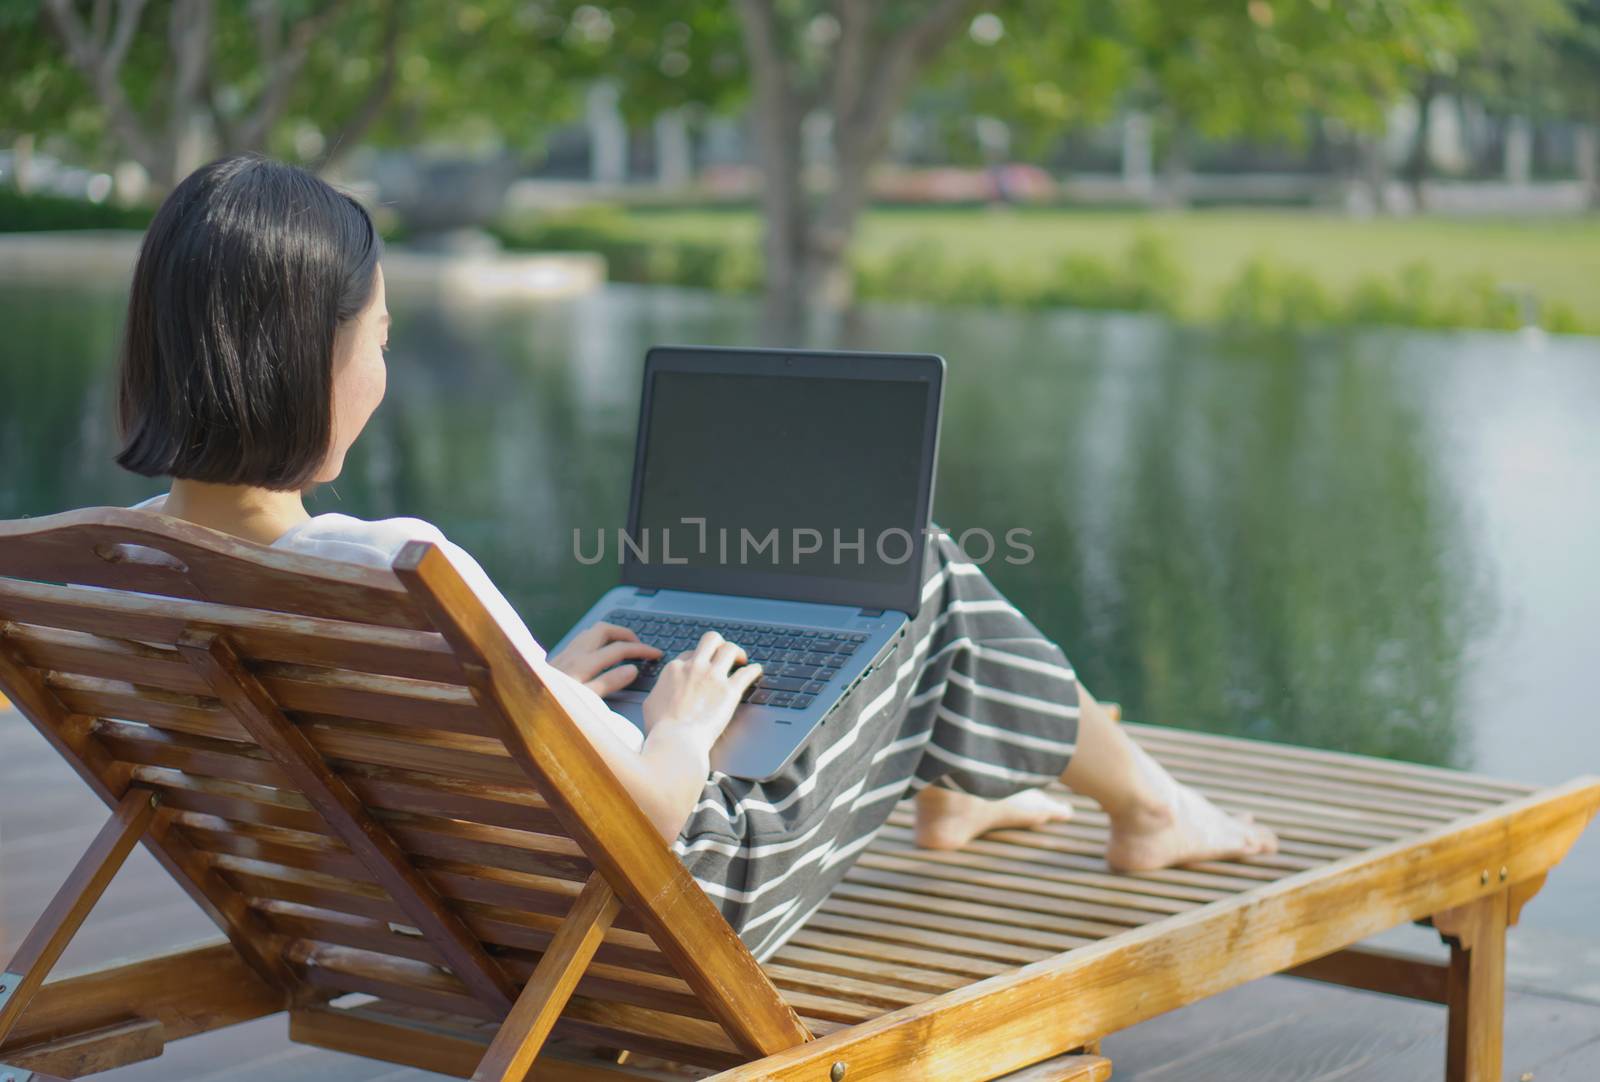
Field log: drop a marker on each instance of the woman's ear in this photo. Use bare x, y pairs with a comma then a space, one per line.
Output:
360, 376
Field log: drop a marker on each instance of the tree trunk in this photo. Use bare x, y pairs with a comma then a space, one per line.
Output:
806, 250
189, 44
776, 117
1375, 172
1587, 152
1420, 159
1174, 193
787, 216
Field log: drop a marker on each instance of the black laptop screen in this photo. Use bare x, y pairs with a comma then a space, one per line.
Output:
802, 486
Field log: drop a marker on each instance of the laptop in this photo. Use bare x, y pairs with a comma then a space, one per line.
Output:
781, 498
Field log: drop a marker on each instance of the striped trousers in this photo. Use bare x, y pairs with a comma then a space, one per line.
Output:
976, 699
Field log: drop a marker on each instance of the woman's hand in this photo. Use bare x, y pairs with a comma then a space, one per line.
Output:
594, 657
698, 690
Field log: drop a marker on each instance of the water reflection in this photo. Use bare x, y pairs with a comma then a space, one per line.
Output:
1249, 538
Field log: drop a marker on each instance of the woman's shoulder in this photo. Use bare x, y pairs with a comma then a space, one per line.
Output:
359, 540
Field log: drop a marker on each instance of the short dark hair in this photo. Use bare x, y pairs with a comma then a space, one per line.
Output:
227, 359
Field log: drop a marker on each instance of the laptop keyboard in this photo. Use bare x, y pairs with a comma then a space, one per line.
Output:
797, 663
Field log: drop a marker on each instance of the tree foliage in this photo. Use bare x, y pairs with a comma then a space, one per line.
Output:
304, 79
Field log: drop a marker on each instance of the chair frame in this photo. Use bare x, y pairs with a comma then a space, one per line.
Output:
1470, 877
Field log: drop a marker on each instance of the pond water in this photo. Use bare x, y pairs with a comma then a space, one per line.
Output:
1386, 543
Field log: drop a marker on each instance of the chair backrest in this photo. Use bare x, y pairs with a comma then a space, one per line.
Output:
360, 778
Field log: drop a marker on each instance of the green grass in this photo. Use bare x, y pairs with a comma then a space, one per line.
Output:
1557, 259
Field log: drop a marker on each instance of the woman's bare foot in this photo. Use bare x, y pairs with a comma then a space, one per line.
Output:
1177, 825
947, 819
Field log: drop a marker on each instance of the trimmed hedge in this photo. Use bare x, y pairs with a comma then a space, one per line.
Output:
45, 213
1146, 278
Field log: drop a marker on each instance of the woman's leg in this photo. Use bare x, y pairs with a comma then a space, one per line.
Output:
1156, 822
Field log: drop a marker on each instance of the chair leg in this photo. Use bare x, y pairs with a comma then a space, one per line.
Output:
1475, 988
511, 1055
67, 910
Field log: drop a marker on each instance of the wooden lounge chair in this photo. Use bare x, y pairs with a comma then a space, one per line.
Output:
354, 774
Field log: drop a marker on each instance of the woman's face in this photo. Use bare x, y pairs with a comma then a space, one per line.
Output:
359, 375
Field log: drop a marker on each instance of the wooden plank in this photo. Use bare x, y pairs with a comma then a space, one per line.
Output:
90, 1053
1069, 1068
511, 1055
601, 980
433, 753
982, 921
1350, 804
1321, 760
977, 866
338, 969
1053, 862
188, 991
1081, 852
145, 552
966, 938
71, 737
599, 814
230, 682
687, 1040
1292, 761
447, 1050
262, 635
1373, 970
300, 689
382, 788
67, 911
272, 886
215, 813
873, 941
243, 858
1007, 1022
1476, 988
373, 1036
997, 903
675, 1036
834, 957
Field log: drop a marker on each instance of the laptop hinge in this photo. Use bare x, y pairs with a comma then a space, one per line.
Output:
870, 612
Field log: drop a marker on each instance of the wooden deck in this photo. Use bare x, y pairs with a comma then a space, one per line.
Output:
1274, 1029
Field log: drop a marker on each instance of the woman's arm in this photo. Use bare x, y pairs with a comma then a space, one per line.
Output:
693, 701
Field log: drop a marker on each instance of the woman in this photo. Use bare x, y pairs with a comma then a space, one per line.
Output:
253, 358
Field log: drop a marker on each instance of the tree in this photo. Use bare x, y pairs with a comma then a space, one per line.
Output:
1503, 59
1578, 69
165, 82
1267, 67
1221, 67
853, 65
161, 83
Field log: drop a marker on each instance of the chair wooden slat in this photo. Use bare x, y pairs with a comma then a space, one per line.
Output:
339, 742
296, 688
1290, 757
866, 939
143, 552
228, 679
1056, 862
341, 969
262, 635
956, 938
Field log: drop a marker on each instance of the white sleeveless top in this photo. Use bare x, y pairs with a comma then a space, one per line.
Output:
376, 543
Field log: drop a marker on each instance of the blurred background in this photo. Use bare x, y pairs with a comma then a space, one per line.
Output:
1272, 320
